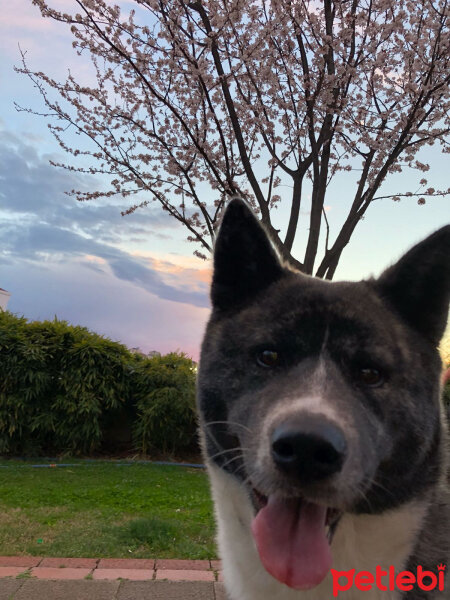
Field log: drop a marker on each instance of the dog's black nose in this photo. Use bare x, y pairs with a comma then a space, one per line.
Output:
309, 451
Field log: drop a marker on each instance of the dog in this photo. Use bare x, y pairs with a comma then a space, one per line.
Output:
322, 424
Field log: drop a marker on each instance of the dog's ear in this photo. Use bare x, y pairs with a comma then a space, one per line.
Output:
245, 262
418, 285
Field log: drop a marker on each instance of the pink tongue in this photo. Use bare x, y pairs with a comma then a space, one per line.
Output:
291, 540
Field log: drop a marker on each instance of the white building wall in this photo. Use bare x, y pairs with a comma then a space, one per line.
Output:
4, 297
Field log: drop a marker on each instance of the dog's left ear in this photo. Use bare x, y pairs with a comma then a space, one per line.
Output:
418, 285
245, 263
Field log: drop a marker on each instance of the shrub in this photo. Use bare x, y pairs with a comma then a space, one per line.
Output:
61, 388
447, 398
165, 401
24, 379
56, 381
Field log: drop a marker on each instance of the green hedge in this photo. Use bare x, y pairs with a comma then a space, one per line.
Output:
165, 401
60, 385
447, 397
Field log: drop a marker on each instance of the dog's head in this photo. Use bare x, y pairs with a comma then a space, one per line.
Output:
320, 397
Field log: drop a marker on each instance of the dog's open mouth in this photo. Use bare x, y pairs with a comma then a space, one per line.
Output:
293, 538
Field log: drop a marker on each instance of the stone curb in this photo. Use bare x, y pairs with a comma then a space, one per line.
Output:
134, 569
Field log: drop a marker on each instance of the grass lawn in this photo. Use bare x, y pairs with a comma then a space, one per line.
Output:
102, 509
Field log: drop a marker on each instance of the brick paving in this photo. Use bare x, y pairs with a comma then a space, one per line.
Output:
188, 575
22, 561
10, 571
186, 565
133, 574
59, 573
83, 563
30, 578
125, 563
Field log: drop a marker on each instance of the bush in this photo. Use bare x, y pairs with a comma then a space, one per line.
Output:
165, 401
447, 398
61, 387
56, 381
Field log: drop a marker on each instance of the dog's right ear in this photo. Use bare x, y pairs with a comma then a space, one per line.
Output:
245, 262
418, 285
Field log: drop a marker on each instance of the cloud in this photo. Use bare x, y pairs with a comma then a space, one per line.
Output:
42, 224
21, 22
113, 307
31, 184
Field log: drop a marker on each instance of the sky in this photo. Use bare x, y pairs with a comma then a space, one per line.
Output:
134, 278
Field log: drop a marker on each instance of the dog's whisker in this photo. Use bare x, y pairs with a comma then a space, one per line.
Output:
213, 438
228, 450
361, 493
239, 456
372, 482
233, 423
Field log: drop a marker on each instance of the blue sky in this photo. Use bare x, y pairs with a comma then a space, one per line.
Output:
134, 278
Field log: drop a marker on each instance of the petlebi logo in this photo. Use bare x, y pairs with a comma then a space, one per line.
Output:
389, 580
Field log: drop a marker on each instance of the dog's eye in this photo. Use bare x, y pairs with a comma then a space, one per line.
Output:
370, 377
267, 358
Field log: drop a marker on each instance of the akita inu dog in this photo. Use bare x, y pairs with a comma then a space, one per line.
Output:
322, 424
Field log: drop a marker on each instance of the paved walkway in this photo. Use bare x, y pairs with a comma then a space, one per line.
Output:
34, 578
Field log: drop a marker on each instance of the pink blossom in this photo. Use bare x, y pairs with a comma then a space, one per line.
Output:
216, 92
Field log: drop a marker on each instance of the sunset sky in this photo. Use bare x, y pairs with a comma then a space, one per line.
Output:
135, 278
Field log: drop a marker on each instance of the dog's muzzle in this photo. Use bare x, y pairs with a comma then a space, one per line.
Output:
292, 532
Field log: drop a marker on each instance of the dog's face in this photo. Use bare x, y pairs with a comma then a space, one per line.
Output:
320, 398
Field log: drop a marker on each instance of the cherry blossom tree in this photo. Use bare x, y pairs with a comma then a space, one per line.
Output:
197, 101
